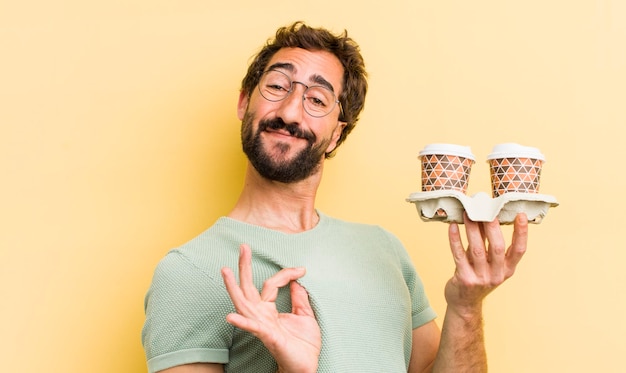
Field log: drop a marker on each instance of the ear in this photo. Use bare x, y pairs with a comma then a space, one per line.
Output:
335, 136
242, 105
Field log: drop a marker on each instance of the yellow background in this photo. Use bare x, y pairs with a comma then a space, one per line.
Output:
119, 141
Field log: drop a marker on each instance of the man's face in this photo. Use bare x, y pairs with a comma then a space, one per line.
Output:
282, 141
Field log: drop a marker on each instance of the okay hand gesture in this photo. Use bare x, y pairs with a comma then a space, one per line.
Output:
293, 339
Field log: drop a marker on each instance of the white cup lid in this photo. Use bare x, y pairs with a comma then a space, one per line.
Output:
451, 149
512, 150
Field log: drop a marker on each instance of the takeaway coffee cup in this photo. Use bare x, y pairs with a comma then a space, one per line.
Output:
446, 167
515, 168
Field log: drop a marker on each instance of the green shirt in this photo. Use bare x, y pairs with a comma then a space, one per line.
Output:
362, 285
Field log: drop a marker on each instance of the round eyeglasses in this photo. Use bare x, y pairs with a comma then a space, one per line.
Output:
318, 101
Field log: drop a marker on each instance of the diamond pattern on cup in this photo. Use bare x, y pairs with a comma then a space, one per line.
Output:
443, 171
515, 175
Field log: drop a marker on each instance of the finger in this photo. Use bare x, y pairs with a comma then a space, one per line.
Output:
481, 227
476, 251
495, 250
519, 243
234, 291
457, 249
243, 323
245, 273
494, 239
280, 279
300, 302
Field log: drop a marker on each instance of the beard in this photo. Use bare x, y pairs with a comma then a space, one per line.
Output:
282, 169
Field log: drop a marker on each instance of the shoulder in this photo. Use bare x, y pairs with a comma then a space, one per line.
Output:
212, 249
188, 278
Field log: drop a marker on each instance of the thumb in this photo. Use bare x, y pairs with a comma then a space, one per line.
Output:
300, 304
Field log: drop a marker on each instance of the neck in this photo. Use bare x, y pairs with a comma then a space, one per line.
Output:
288, 208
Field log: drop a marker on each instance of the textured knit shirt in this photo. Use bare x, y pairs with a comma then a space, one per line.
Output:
362, 286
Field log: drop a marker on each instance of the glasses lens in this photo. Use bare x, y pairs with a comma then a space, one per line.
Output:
274, 85
319, 101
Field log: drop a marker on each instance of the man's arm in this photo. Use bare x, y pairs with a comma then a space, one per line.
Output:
462, 347
479, 270
426, 340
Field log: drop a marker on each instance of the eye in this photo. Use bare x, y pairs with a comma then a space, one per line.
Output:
316, 102
318, 97
276, 86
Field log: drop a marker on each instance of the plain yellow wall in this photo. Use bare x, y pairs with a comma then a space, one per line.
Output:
119, 141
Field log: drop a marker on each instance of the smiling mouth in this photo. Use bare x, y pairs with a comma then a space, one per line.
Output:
282, 132
291, 130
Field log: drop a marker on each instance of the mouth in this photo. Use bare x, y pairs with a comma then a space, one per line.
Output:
282, 131
277, 126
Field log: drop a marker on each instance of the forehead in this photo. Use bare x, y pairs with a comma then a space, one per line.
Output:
305, 65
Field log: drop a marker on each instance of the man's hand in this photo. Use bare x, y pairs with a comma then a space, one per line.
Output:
479, 270
293, 339
485, 264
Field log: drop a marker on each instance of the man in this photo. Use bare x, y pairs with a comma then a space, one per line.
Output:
315, 294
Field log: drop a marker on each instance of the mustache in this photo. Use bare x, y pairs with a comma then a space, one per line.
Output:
293, 129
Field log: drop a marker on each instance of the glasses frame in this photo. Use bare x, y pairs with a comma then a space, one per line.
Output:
306, 88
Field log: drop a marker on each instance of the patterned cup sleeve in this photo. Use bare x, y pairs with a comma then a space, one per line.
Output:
515, 175
445, 172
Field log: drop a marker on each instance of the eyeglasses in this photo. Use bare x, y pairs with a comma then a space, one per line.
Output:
318, 101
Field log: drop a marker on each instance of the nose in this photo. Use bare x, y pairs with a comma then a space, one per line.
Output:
291, 109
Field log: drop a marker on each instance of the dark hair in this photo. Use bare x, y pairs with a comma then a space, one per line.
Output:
299, 35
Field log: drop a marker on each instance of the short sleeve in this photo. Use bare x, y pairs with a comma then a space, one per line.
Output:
421, 312
186, 310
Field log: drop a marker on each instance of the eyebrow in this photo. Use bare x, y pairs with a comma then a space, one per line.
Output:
315, 78
283, 66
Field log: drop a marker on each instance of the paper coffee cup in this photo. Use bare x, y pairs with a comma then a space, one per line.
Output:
446, 167
515, 168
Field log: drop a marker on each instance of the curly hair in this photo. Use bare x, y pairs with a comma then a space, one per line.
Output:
299, 35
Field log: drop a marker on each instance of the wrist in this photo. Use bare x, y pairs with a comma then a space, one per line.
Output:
469, 313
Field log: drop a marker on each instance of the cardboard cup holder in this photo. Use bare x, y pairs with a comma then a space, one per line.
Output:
514, 170
449, 205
